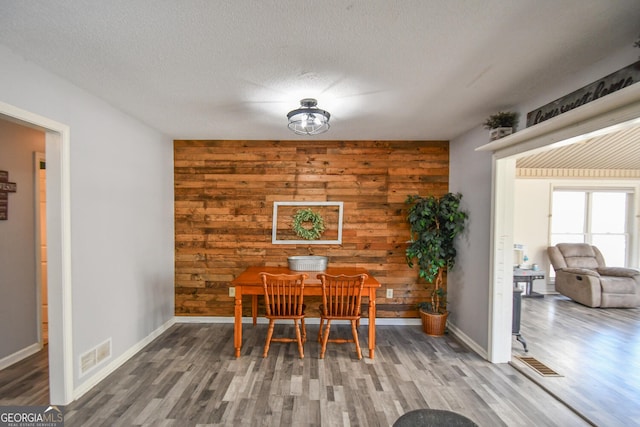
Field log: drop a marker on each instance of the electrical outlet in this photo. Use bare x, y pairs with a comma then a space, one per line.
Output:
232, 291
389, 293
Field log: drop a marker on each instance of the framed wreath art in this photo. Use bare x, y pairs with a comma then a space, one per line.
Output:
307, 223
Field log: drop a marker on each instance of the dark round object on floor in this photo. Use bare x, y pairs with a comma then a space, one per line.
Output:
433, 418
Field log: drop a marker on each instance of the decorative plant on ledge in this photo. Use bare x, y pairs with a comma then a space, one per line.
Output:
501, 124
502, 119
435, 222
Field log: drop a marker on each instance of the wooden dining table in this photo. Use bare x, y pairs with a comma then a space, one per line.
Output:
248, 283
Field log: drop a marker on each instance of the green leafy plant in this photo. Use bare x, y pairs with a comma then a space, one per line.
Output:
308, 224
503, 119
435, 222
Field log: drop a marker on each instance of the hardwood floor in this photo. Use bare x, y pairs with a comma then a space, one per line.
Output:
188, 377
26, 383
597, 352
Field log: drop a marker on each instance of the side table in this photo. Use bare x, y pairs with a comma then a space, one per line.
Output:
520, 275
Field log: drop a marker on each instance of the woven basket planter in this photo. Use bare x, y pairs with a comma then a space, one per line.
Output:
434, 324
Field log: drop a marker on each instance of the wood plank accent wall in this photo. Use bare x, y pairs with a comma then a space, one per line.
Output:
224, 194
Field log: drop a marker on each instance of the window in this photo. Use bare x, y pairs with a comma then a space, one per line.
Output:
598, 217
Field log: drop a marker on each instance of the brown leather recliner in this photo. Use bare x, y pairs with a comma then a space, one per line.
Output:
582, 275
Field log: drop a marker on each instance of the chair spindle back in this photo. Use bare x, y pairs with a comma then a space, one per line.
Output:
283, 294
341, 295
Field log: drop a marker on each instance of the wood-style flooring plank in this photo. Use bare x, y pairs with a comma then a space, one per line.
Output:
196, 383
595, 350
189, 377
26, 383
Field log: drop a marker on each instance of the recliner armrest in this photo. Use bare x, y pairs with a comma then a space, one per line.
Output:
618, 271
583, 271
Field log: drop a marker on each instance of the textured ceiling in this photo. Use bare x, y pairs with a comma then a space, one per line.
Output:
411, 69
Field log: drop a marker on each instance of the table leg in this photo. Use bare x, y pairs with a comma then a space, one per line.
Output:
254, 309
528, 290
237, 322
372, 322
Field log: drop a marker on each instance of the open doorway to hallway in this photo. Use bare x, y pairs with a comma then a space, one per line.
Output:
23, 279
58, 221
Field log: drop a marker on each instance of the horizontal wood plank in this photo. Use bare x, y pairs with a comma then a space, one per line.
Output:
224, 194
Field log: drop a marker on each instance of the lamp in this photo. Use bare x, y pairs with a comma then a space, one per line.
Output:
308, 120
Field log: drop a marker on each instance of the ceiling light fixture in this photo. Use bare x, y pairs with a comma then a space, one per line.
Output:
308, 120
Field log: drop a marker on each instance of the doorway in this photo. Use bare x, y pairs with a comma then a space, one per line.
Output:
608, 114
57, 142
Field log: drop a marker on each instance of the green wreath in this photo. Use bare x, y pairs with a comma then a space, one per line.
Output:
305, 217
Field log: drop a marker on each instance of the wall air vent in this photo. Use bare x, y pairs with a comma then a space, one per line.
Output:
95, 356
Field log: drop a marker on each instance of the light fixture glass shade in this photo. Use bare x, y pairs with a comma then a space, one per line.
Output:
308, 120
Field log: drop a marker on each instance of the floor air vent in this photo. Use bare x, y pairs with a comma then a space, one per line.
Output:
538, 366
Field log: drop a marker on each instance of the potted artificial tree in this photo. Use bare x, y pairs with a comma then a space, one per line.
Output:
501, 124
435, 222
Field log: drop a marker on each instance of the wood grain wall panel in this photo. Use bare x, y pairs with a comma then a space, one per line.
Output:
224, 194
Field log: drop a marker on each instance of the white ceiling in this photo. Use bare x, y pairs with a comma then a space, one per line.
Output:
407, 69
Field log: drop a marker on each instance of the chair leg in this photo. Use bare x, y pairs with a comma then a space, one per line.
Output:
355, 338
269, 335
304, 331
299, 338
325, 338
320, 330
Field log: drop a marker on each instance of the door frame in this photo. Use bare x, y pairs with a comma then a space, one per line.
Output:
608, 114
37, 158
58, 189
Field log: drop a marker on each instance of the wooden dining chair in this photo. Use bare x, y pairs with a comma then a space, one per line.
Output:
283, 297
341, 299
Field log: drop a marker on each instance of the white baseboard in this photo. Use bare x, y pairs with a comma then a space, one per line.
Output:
209, 319
11, 359
309, 321
464, 338
396, 321
116, 363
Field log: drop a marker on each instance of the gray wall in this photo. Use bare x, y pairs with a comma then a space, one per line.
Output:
121, 209
468, 288
18, 291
